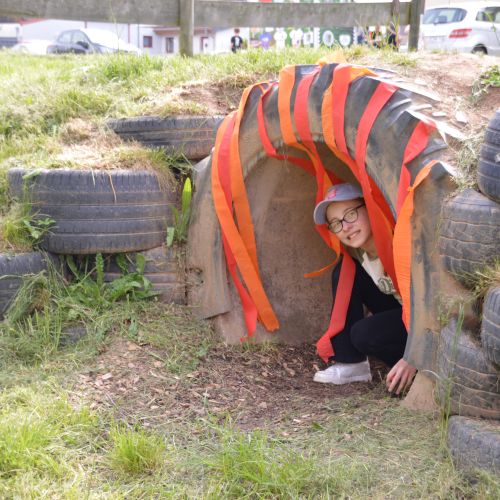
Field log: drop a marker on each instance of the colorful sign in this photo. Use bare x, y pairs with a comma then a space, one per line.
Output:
280, 38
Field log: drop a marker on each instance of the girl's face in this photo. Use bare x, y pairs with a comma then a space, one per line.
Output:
357, 234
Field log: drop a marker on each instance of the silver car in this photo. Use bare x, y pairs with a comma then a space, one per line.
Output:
463, 27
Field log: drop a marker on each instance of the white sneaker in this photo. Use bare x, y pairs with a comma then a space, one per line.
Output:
344, 373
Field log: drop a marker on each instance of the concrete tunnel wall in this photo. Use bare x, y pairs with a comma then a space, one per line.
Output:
282, 199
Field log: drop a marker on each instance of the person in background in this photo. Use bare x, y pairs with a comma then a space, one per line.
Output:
383, 333
361, 35
236, 41
375, 37
392, 38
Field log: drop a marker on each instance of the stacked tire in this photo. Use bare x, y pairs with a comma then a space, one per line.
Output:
107, 212
469, 357
192, 136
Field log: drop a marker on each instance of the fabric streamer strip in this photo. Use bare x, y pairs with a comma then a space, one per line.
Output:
403, 243
221, 177
235, 242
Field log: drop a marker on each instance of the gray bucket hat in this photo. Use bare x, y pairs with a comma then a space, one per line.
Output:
339, 192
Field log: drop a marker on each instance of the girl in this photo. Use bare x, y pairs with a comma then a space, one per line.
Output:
383, 334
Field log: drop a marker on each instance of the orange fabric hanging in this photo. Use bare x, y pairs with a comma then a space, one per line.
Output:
416, 144
239, 193
324, 179
311, 165
286, 85
343, 75
324, 346
382, 228
222, 152
244, 261
403, 242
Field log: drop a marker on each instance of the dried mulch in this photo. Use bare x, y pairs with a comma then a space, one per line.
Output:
256, 388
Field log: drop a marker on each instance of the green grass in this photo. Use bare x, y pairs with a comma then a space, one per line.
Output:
39, 95
135, 451
42, 434
52, 447
255, 465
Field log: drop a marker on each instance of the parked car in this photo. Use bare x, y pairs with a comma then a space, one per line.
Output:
90, 41
463, 27
38, 47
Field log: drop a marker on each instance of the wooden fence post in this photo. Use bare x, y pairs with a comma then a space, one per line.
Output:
417, 7
395, 10
186, 22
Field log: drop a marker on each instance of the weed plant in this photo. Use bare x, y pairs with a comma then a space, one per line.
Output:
135, 451
489, 78
178, 232
23, 230
47, 304
22, 227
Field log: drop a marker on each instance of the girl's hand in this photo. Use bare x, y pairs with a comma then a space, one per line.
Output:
401, 373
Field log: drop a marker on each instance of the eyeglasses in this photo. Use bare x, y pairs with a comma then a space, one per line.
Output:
351, 215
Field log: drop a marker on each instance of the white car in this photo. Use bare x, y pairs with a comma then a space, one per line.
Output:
463, 27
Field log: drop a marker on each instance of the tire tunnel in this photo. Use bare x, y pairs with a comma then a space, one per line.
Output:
336, 115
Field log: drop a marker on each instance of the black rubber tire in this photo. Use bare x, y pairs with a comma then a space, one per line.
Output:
469, 237
488, 172
474, 444
98, 212
481, 49
12, 270
466, 376
164, 268
490, 328
193, 136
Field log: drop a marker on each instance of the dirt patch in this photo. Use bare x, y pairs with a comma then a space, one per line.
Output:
453, 77
257, 388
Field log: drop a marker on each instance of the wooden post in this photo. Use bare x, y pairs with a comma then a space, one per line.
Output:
395, 10
416, 8
186, 22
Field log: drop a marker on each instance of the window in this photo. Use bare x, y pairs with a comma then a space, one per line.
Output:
444, 15
64, 37
147, 42
489, 15
79, 37
169, 45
